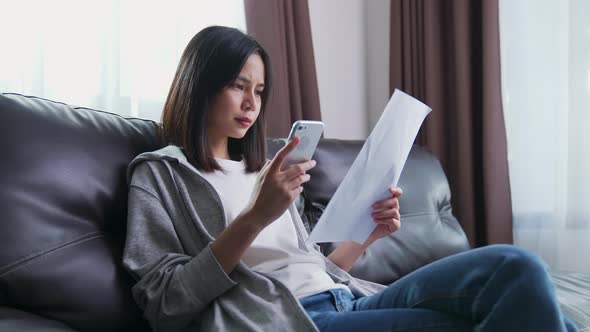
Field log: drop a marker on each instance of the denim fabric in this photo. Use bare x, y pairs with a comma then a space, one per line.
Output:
494, 288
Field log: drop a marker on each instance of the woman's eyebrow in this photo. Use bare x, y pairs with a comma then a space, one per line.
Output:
245, 80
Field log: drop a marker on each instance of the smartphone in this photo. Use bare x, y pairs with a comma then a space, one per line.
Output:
310, 133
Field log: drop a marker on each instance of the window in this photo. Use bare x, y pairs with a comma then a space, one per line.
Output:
545, 52
115, 55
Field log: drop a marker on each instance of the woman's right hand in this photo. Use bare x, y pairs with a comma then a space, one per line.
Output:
276, 189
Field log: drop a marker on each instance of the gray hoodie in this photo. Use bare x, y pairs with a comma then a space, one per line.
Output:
173, 216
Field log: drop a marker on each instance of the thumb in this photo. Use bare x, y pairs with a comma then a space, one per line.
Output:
277, 161
265, 167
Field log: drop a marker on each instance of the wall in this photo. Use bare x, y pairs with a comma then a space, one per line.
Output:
351, 46
377, 78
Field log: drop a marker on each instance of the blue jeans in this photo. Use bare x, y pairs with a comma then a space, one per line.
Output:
489, 289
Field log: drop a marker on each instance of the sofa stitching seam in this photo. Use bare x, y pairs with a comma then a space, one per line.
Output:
78, 107
23, 261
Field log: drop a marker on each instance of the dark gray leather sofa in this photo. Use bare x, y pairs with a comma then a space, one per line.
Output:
63, 200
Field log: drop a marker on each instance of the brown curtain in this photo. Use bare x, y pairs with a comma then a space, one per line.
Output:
282, 27
447, 54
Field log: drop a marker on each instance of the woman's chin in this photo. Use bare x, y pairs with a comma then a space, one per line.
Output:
239, 135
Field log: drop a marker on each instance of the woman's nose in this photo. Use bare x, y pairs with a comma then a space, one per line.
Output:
250, 101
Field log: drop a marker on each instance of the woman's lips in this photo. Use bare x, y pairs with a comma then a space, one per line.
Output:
244, 123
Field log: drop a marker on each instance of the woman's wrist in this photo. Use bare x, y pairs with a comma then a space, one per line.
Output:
368, 242
347, 253
230, 245
254, 219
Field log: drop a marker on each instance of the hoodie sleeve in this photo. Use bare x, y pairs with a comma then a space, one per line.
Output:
172, 287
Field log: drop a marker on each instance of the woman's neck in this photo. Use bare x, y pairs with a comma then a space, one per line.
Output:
219, 148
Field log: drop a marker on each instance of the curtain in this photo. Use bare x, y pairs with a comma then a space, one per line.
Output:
283, 28
447, 54
546, 93
115, 55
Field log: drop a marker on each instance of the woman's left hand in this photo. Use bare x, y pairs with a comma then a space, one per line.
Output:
386, 215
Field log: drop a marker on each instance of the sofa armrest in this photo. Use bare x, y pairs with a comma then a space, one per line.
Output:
17, 320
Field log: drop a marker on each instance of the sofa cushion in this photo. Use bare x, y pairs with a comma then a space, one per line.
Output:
17, 320
428, 232
63, 204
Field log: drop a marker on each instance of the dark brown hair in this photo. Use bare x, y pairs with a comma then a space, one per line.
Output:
212, 60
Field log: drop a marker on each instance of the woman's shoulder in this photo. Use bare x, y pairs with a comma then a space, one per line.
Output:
148, 162
167, 152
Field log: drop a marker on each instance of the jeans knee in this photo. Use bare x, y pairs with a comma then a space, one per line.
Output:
521, 262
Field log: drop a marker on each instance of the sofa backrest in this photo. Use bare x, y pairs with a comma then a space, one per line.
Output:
428, 232
63, 201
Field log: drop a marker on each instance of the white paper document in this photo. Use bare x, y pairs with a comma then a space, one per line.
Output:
376, 168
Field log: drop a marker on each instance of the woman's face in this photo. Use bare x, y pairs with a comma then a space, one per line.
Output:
236, 107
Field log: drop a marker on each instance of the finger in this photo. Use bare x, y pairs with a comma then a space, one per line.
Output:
280, 157
383, 214
389, 222
388, 203
298, 181
396, 191
393, 213
299, 169
265, 167
295, 192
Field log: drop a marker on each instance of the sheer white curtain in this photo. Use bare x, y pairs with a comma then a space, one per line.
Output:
545, 51
114, 55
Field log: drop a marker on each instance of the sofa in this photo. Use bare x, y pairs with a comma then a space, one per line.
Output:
63, 200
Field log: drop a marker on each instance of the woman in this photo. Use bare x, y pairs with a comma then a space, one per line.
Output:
216, 244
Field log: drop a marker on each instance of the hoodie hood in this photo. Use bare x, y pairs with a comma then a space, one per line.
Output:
171, 153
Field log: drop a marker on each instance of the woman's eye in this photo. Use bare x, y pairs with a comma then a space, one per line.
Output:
259, 93
238, 86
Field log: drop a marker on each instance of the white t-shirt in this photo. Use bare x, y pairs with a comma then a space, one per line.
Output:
275, 250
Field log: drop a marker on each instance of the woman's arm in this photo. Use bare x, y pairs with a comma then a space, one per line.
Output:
170, 287
232, 243
347, 253
275, 190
